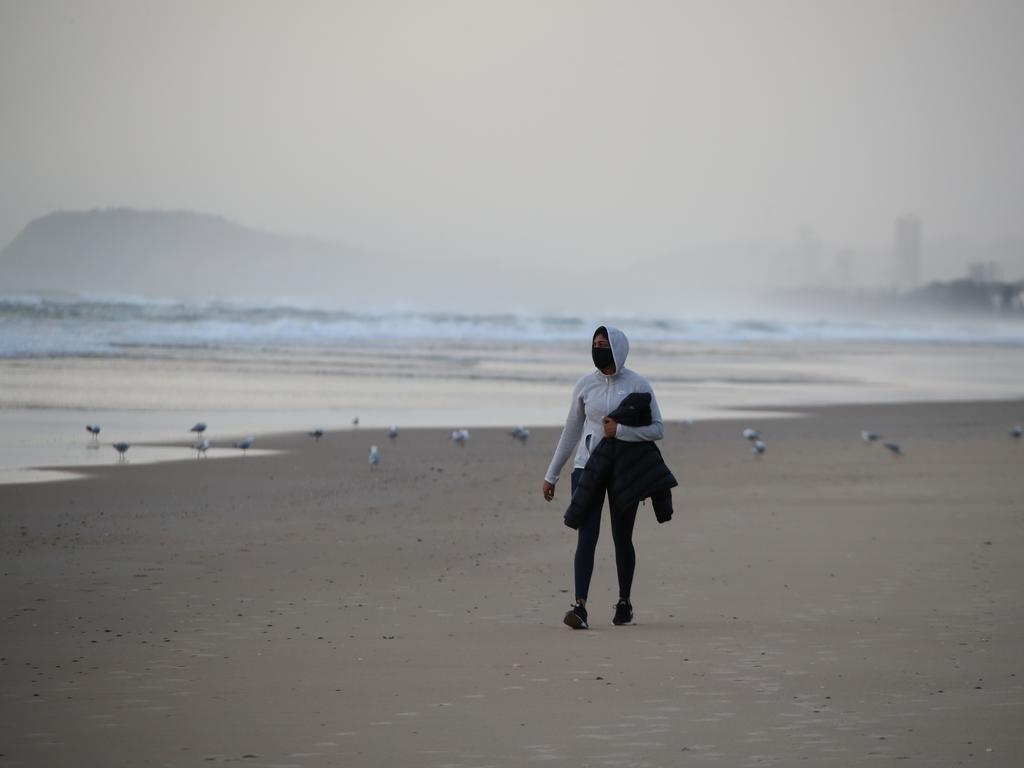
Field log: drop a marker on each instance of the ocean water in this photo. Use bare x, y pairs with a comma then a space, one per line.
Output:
147, 370
42, 326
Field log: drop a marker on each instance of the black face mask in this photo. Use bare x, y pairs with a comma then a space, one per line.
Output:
602, 357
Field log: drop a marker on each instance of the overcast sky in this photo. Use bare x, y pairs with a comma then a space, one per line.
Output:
549, 130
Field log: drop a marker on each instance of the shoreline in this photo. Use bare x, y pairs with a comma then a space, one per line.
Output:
158, 450
44, 404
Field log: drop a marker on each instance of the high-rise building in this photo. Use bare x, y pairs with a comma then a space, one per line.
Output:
809, 249
844, 269
984, 272
906, 256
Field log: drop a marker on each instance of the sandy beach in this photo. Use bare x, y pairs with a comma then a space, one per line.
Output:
826, 603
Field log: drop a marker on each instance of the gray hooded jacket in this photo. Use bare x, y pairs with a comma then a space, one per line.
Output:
596, 395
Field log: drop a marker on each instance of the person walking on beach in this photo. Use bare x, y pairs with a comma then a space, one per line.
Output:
594, 396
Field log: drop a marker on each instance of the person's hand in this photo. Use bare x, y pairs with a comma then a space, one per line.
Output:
610, 426
549, 491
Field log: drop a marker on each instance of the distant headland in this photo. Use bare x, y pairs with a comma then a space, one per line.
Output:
172, 253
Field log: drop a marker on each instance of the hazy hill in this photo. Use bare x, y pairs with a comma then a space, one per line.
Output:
175, 254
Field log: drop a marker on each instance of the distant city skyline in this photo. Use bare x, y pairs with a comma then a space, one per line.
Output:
909, 259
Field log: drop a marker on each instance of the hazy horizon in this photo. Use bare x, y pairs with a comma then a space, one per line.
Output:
712, 146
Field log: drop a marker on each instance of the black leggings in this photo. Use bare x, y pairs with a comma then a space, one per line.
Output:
586, 545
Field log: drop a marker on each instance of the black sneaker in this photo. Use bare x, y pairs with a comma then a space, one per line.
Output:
623, 613
576, 617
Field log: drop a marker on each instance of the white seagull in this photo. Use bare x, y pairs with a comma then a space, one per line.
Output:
122, 449
870, 437
392, 432
202, 447
759, 447
199, 427
94, 430
374, 457
1015, 432
460, 437
895, 448
317, 433
751, 434
522, 434
245, 444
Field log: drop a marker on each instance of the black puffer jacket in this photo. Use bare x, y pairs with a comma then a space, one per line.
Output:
628, 471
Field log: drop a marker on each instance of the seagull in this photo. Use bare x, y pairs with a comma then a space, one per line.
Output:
245, 444
522, 434
759, 447
199, 427
94, 430
317, 433
392, 432
374, 457
201, 447
895, 448
460, 436
751, 434
1015, 432
870, 437
355, 421
122, 449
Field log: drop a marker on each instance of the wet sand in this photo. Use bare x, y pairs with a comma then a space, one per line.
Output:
155, 394
826, 603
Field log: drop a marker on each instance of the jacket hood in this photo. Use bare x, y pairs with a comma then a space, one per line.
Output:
619, 344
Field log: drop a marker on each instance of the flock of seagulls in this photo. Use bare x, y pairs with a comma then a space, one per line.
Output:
200, 447
757, 445
868, 436
873, 437
460, 437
